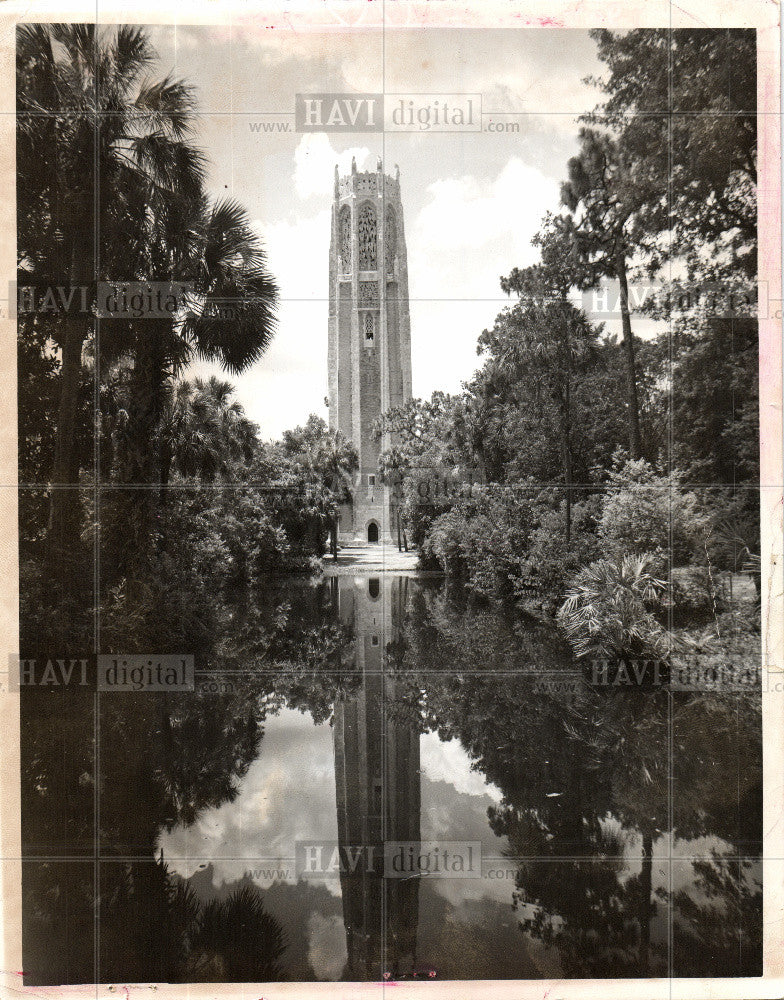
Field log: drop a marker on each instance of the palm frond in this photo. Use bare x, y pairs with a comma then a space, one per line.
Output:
130, 54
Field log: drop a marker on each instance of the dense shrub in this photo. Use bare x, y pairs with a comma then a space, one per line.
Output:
483, 539
696, 590
550, 562
444, 544
646, 512
425, 494
510, 542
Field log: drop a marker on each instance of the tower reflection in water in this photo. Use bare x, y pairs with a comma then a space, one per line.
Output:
378, 786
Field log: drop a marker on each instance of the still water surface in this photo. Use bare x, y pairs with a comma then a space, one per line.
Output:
612, 832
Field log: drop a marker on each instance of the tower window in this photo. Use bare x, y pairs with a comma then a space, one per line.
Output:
368, 249
370, 329
371, 479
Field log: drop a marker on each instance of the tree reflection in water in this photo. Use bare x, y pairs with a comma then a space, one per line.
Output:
164, 759
585, 807
584, 776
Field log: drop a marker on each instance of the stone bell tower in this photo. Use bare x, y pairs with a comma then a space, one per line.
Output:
369, 334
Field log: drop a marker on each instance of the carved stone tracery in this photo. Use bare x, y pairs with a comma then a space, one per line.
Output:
368, 238
345, 237
368, 295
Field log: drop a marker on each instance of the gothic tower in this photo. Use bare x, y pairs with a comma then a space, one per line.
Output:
369, 333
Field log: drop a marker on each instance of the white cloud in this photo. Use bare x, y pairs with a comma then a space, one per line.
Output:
295, 366
314, 164
297, 254
287, 795
469, 215
446, 760
458, 240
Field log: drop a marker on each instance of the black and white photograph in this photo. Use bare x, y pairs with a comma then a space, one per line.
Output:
396, 593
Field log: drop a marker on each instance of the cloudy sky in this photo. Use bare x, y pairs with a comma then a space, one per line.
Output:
288, 795
472, 201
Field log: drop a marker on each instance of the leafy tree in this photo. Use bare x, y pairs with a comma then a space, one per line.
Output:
715, 402
203, 435
423, 431
604, 195
432, 448
548, 336
683, 102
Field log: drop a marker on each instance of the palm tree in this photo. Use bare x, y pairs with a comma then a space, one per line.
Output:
101, 149
199, 430
394, 465
336, 460
236, 940
203, 430
607, 611
227, 316
736, 538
